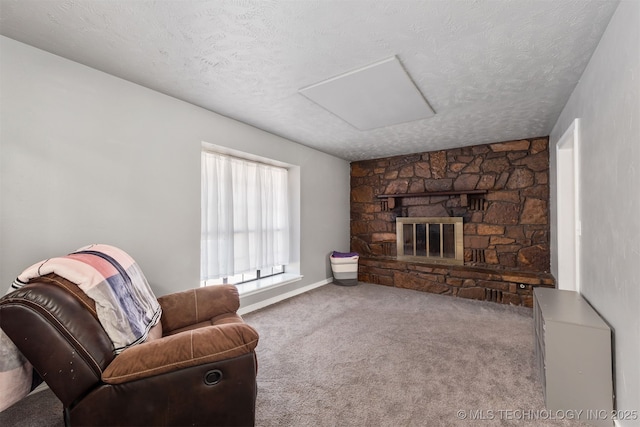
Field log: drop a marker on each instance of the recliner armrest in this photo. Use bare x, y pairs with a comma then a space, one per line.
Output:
183, 350
191, 307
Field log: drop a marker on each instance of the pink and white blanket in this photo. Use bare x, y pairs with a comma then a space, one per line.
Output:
125, 305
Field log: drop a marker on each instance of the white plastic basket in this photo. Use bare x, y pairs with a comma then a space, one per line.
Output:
345, 268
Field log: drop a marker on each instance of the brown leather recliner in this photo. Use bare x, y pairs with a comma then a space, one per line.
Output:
201, 372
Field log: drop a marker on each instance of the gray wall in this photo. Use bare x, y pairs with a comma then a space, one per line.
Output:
607, 100
87, 157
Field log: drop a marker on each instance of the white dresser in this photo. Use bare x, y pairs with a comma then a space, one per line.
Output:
573, 353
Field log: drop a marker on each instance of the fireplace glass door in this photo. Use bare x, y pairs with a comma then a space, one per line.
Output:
437, 240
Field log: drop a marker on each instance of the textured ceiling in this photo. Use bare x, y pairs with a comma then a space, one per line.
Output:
493, 70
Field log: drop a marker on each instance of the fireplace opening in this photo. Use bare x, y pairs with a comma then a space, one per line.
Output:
430, 239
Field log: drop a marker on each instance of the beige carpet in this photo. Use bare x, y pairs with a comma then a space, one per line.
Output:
370, 355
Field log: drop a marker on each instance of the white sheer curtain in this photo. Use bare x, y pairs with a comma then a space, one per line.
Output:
245, 221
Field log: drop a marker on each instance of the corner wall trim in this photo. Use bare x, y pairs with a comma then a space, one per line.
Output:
282, 297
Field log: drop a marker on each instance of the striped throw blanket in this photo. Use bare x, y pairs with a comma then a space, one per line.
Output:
125, 304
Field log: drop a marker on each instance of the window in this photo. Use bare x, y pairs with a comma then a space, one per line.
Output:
245, 225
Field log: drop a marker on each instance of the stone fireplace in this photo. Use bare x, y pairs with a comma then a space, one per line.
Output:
498, 194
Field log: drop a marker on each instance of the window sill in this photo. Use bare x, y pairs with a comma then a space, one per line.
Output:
257, 286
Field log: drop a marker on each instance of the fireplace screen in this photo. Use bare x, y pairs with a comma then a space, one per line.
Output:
437, 240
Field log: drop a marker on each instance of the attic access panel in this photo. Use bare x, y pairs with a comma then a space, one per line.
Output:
378, 95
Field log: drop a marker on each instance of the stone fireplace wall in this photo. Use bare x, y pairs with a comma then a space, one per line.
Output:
506, 230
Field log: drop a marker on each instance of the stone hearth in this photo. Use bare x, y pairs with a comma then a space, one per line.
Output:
506, 229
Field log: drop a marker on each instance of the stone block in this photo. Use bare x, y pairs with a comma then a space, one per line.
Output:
363, 194
377, 249
363, 208
534, 212
454, 282
537, 191
520, 178
479, 149
516, 155
389, 217
508, 259
514, 232
548, 281
501, 181
383, 237
476, 242
358, 170
542, 178
466, 182
430, 211
423, 170
385, 280
399, 161
391, 175
359, 227
470, 274
487, 229
501, 286
416, 186
398, 186
499, 240
538, 145
509, 298
432, 277
464, 158
381, 272
379, 226
359, 245
471, 293
438, 184
504, 196
537, 162
496, 165
457, 167
477, 217
470, 228
491, 256
486, 182
502, 213
456, 202
520, 279
438, 164
366, 277
468, 283
534, 258
410, 281
510, 146
406, 172
508, 248
474, 166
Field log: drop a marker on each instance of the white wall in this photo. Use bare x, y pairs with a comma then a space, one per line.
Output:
87, 157
607, 100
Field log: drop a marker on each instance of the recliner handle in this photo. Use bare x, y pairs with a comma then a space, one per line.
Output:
213, 377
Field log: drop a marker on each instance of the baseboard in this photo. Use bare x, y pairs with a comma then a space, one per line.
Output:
618, 423
282, 297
